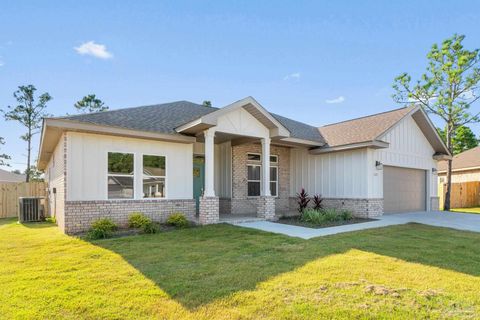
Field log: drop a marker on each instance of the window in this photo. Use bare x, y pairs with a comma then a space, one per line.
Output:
274, 159
120, 175
153, 176
253, 157
253, 180
274, 181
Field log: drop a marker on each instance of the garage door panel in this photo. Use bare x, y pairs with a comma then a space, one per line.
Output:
404, 189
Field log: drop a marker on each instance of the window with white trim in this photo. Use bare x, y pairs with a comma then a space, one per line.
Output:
154, 173
120, 175
253, 179
254, 175
274, 181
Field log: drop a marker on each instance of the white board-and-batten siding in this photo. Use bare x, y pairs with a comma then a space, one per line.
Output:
87, 156
353, 174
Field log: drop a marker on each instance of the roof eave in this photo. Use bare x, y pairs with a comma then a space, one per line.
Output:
374, 144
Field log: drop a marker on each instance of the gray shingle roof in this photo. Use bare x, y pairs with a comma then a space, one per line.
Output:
160, 118
300, 130
164, 118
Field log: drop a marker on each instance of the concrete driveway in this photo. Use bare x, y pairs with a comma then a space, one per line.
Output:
460, 221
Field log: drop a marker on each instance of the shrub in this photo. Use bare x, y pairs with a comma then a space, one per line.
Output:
178, 220
317, 202
302, 200
51, 220
138, 220
319, 217
101, 229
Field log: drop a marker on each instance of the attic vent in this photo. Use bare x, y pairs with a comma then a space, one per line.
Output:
30, 209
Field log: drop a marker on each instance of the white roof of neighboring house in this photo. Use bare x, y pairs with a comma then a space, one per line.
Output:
6, 176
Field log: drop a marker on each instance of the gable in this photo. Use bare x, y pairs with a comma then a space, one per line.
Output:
407, 138
241, 122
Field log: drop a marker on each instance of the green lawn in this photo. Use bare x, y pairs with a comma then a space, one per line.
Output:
468, 210
227, 272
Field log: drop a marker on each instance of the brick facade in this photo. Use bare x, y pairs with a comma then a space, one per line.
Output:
240, 202
362, 208
266, 208
209, 210
79, 215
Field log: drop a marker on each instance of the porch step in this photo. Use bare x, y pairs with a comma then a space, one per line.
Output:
236, 218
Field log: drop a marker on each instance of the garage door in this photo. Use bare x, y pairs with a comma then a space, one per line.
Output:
403, 189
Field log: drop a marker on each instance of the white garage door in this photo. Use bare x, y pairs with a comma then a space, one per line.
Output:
403, 189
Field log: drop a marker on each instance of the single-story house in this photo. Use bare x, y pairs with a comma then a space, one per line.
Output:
465, 167
236, 160
11, 177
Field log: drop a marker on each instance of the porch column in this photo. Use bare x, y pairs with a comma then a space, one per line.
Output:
209, 203
266, 203
266, 167
209, 158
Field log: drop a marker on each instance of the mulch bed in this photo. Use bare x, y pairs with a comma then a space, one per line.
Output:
295, 221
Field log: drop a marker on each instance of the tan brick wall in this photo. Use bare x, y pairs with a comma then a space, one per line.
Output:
209, 210
362, 208
240, 203
79, 215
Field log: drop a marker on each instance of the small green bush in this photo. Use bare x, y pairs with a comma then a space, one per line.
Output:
319, 217
101, 229
138, 220
178, 220
150, 227
51, 220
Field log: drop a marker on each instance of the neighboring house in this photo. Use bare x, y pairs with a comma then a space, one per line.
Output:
465, 167
6, 177
240, 159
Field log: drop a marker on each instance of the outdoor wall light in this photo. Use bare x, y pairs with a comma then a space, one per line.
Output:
434, 171
378, 165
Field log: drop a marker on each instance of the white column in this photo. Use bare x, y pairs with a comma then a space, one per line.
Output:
266, 167
209, 158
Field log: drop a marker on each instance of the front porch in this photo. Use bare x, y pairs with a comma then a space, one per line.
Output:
234, 166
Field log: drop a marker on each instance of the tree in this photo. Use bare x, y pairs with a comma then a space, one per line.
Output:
90, 103
463, 140
448, 89
30, 114
207, 103
3, 157
34, 174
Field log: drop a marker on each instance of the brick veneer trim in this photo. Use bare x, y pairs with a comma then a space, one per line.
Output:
362, 208
79, 215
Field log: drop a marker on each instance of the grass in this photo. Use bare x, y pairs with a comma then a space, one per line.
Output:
468, 210
222, 271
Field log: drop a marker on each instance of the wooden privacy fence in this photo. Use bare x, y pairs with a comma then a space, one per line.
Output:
11, 191
462, 195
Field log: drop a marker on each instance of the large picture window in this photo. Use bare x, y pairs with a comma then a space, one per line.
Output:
154, 176
120, 175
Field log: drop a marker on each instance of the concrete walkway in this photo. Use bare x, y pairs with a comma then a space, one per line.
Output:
460, 221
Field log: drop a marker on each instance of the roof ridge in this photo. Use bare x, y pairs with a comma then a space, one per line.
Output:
129, 108
363, 117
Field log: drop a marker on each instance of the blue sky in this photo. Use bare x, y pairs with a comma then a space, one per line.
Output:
314, 61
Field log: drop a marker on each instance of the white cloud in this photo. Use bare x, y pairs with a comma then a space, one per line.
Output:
293, 76
335, 100
94, 49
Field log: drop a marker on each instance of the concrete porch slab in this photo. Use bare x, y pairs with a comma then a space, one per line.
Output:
460, 221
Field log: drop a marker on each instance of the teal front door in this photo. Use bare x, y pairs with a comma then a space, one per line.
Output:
198, 178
